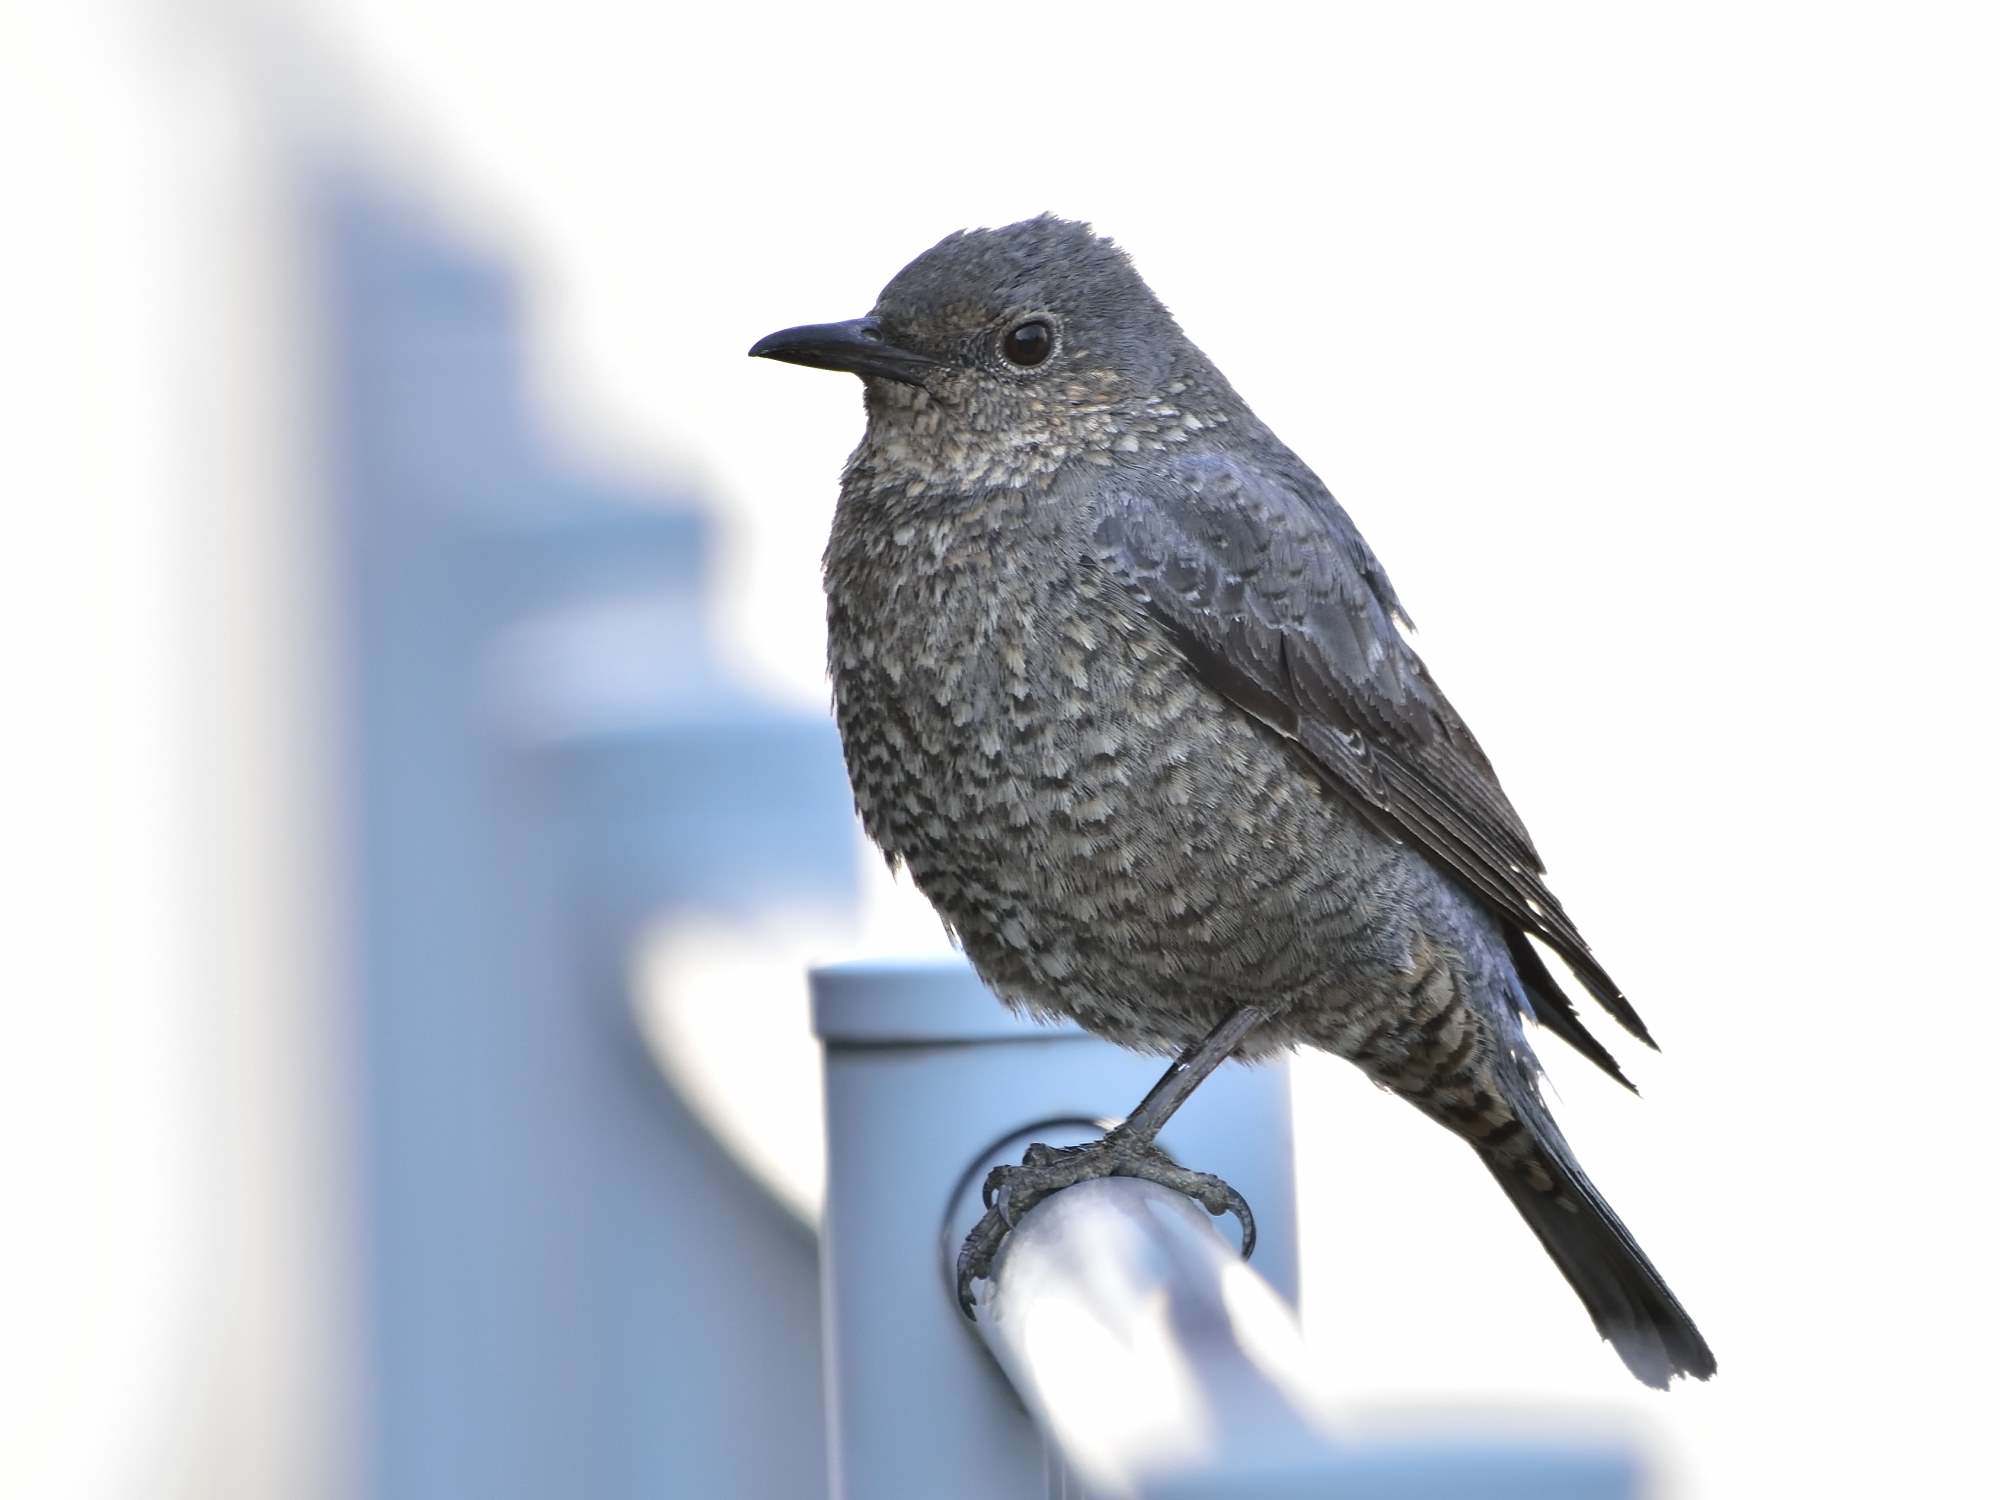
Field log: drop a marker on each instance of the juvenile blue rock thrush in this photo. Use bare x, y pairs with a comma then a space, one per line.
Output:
1124, 689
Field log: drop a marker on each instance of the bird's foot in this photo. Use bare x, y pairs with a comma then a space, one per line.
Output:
1011, 1191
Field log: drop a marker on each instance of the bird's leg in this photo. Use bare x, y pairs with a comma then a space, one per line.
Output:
1127, 1150
1187, 1072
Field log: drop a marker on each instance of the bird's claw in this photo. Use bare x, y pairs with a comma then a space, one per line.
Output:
1010, 1192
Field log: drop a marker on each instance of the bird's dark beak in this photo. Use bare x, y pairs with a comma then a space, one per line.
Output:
856, 345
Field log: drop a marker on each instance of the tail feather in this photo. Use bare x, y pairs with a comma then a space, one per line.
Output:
1625, 1296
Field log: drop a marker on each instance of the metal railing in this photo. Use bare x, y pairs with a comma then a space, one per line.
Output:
1132, 1352
1148, 1352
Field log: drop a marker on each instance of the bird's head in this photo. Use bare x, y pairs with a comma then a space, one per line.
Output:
998, 352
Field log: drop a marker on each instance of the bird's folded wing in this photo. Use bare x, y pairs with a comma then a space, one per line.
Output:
1281, 607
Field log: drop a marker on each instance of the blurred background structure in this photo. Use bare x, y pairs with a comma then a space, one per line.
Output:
421, 805
544, 761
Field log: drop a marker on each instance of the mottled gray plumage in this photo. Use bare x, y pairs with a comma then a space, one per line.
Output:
1123, 687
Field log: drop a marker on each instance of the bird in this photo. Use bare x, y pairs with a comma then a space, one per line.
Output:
1123, 689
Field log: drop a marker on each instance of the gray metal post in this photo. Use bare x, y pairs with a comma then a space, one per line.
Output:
928, 1078
1160, 1365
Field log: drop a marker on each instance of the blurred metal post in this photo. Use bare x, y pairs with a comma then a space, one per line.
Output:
572, 1289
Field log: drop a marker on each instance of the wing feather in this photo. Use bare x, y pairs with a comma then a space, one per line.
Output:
1279, 604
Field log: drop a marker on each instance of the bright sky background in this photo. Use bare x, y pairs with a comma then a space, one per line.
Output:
1654, 350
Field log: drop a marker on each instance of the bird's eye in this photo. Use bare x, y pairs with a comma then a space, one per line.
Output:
1028, 343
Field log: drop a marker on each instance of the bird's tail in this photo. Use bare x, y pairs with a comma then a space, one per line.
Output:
1625, 1296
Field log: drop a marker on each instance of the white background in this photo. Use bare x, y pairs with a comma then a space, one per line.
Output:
1655, 352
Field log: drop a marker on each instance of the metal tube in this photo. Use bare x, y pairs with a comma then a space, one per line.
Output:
1161, 1366
1151, 1354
